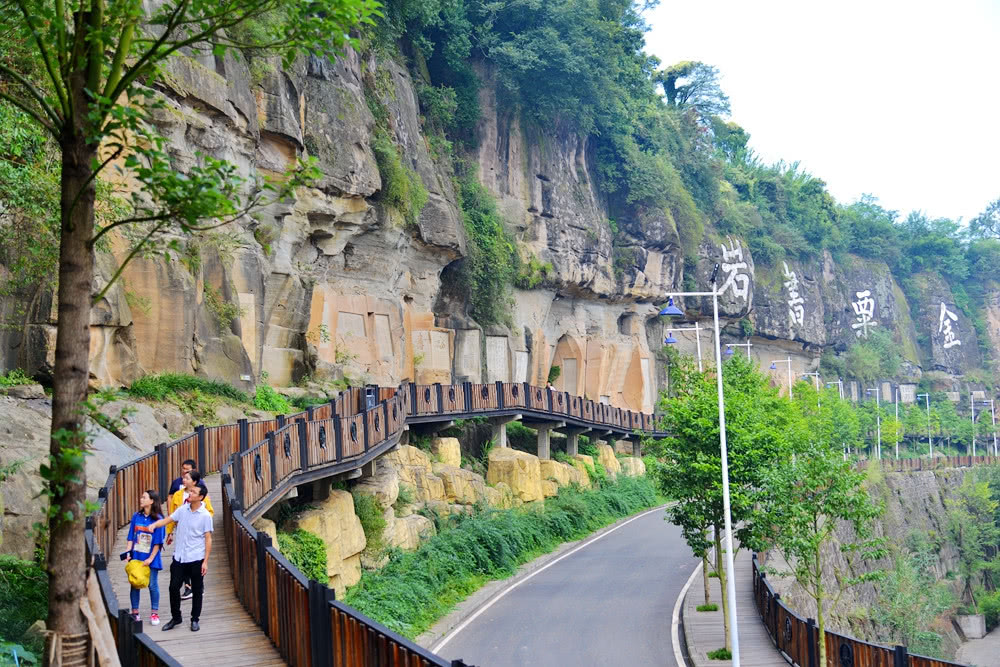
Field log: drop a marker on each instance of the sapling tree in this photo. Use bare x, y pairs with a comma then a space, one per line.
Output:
86, 71
805, 500
973, 530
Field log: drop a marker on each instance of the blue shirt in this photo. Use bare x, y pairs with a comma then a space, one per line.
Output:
143, 543
175, 486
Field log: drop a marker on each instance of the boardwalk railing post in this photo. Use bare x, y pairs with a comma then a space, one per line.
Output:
338, 439
280, 419
263, 542
901, 657
303, 444
310, 413
272, 453
811, 642
439, 390
161, 469
202, 450
500, 395
467, 392
319, 623
244, 441
364, 423
413, 398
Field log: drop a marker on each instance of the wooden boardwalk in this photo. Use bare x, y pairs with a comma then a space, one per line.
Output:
704, 631
229, 637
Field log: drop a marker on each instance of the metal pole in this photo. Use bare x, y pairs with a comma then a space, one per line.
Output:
898, 434
789, 361
972, 406
730, 574
697, 338
927, 402
993, 414
878, 419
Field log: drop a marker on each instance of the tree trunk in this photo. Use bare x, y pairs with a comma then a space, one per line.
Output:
820, 618
704, 576
721, 571
66, 558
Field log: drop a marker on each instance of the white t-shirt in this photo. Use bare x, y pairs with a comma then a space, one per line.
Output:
189, 535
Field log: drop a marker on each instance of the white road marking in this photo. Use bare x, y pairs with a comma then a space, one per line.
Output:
675, 621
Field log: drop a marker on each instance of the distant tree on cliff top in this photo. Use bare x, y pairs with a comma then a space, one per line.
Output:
694, 85
85, 71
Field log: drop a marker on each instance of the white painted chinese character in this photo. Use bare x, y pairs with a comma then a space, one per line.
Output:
732, 262
864, 309
796, 313
944, 326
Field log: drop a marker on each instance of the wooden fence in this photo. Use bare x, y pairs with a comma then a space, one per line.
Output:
797, 638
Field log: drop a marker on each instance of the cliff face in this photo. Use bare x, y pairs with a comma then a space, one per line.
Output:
335, 282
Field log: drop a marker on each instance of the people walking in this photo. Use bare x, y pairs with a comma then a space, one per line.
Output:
146, 547
189, 480
186, 466
193, 536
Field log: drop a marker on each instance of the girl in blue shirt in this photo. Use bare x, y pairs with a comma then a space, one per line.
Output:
146, 547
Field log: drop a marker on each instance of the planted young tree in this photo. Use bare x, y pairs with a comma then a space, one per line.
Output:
85, 72
804, 502
973, 530
761, 428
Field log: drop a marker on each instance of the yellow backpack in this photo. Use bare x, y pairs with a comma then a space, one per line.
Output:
138, 573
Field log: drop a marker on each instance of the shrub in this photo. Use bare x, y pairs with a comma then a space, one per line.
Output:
303, 402
14, 377
268, 399
404, 498
720, 654
24, 597
158, 387
416, 588
373, 523
306, 552
708, 607
402, 188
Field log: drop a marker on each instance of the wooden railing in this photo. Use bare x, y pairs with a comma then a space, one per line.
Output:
261, 460
797, 638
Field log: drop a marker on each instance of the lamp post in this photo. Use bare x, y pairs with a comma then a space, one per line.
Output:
815, 377
670, 340
672, 310
878, 421
927, 402
972, 405
730, 346
784, 361
993, 417
899, 434
840, 384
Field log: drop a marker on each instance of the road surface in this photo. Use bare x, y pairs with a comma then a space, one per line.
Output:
610, 603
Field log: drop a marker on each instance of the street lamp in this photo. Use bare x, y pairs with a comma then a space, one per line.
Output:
927, 402
993, 415
784, 361
815, 377
840, 384
730, 346
899, 434
972, 405
670, 309
878, 421
670, 340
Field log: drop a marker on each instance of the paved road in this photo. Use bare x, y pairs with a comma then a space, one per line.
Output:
609, 603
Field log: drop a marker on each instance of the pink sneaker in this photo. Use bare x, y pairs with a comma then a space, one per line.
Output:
154, 619
137, 616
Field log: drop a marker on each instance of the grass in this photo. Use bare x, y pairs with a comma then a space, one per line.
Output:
161, 385
417, 588
713, 574
708, 607
720, 654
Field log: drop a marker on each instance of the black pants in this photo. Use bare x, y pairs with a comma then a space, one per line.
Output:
179, 573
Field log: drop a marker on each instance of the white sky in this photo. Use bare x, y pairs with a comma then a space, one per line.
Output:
897, 99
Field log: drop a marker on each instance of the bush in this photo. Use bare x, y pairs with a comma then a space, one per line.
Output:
708, 607
304, 402
14, 377
306, 552
24, 598
989, 605
402, 188
373, 523
416, 588
404, 498
268, 399
158, 387
720, 654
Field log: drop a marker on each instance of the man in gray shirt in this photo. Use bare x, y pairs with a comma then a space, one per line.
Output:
193, 539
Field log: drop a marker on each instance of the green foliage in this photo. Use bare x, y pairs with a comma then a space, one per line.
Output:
303, 402
266, 398
720, 654
224, 312
264, 235
532, 273
372, 518
874, 358
305, 551
402, 188
160, 386
14, 377
416, 588
708, 607
405, 497
24, 598
973, 529
554, 372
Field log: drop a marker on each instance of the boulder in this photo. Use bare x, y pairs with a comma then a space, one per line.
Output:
410, 531
500, 496
448, 451
633, 466
137, 424
269, 528
606, 457
460, 486
26, 391
333, 520
549, 488
384, 484
581, 462
520, 471
414, 469
555, 471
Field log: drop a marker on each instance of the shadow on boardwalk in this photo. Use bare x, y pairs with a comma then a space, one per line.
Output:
228, 635
704, 631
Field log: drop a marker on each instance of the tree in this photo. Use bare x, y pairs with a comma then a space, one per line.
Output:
805, 500
987, 224
85, 72
695, 85
762, 429
973, 531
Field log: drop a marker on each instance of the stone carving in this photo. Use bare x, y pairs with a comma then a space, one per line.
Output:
733, 265
864, 310
944, 327
796, 310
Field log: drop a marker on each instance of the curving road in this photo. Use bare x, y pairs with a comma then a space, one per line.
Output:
610, 603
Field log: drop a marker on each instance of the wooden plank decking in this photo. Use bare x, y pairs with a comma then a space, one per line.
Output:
704, 632
229, 636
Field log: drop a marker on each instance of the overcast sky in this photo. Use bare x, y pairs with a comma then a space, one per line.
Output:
897, 99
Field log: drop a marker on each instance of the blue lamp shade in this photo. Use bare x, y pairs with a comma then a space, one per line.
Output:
670, 340
729, 351
773, 367
671, 309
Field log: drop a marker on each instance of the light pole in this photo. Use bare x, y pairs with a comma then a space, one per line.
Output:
927, 402
672, 310
730, 346
670, 340
815, 377
784, 361
993, 416
878, 420
972, 405
840, 384
899, 433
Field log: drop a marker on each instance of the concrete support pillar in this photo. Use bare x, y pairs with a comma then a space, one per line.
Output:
572, 444
544, 440
321, 488
498, 429
637, 448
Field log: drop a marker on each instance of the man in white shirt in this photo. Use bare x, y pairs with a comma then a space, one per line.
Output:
193, 540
